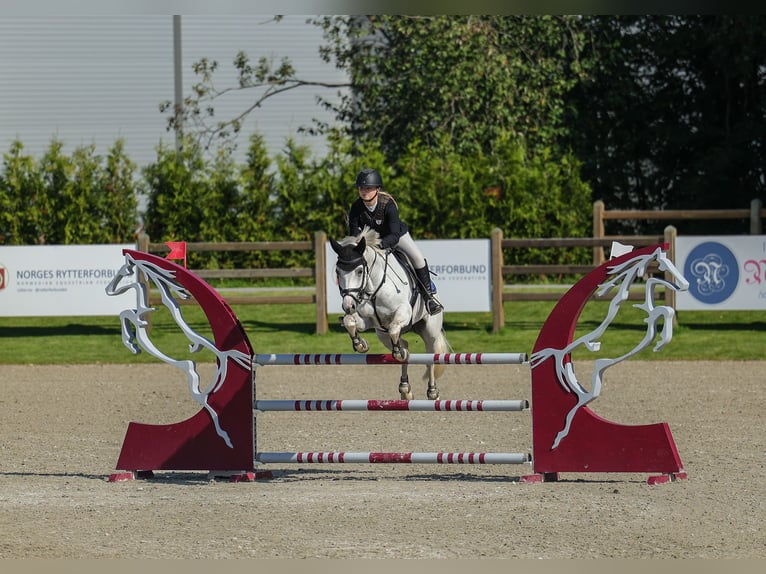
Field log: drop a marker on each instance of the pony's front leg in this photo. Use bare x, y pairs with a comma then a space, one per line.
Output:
400, 322
405, 390
399, 349
354, 324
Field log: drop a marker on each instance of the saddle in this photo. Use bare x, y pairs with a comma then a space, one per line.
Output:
409, 269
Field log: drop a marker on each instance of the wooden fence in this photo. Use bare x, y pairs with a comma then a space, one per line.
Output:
319, 296
500, 271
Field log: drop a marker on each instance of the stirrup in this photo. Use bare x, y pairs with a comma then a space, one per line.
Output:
433, 306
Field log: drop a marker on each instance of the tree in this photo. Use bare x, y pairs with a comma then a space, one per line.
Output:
469, 79
674, 116
265, 77
64, 200
20, 187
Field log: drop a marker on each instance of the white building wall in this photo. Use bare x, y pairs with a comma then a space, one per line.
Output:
93, 79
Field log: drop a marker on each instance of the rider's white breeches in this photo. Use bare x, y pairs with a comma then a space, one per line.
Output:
407, 244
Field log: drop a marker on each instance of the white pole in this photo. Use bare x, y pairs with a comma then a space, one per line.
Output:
263, 359
389, 405
393, 457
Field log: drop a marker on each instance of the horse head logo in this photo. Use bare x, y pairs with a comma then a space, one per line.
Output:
136, 337
620, 278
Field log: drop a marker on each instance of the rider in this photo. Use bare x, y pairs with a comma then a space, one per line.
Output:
378, 210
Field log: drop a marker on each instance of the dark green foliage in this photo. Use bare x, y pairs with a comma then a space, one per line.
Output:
60, 199
441, 194
674, 116
474, 122
462, 81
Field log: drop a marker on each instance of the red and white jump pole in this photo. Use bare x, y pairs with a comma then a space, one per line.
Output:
389, 405
260, 360
393, 457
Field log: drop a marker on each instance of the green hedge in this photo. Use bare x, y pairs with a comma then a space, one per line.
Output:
193, 195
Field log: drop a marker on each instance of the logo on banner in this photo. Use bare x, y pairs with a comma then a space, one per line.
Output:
3, 275
713, 272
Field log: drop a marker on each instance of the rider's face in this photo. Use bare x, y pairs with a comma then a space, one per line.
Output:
368, 193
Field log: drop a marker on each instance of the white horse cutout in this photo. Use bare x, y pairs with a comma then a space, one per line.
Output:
135, 336
379, 292
621, 277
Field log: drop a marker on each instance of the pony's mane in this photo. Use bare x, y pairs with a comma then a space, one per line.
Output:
371, 237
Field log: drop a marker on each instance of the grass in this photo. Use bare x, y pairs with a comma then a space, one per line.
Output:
699, 335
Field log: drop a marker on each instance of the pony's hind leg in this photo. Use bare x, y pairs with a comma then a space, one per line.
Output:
433, 390
405, 390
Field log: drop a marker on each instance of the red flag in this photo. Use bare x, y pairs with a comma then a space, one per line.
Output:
177, 250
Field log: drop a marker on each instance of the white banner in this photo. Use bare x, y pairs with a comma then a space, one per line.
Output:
61, 280
724, 272
463, 274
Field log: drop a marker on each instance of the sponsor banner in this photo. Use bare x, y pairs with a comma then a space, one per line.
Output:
463, 274
61, 280
726, 272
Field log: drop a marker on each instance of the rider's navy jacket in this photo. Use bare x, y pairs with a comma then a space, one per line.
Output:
385, 220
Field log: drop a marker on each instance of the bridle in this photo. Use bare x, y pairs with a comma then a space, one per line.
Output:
359, 294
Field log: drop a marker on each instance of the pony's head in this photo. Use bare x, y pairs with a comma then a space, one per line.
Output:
351, 269
350, 255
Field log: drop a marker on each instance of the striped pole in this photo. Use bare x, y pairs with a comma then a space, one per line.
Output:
393, 457
264, 359
390, 405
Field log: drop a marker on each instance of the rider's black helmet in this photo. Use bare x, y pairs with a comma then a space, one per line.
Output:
369, 178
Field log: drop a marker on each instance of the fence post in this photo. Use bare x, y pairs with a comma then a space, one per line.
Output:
320, 278
496, 257
756, 227
670, 295
598, 231
143, 242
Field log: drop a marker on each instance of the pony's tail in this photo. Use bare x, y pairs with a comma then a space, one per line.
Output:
441, 346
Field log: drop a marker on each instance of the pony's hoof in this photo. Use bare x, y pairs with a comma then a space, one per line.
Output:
361, 346
405, 391
401, 354
433, 393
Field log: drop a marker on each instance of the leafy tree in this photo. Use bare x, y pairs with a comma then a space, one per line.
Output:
256, 217
20, 186
98, 203
117, 199
265, 77
674, 116
67, 200
446, 195
176, 187
462, 81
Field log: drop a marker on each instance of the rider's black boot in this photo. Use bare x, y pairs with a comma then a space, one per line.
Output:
429, 290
